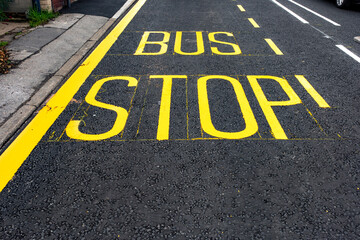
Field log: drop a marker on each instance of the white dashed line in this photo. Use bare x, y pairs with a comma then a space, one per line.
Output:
291, 12
348, 52
315, 13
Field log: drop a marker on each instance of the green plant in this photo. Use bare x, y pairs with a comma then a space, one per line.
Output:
3, 44
38, 18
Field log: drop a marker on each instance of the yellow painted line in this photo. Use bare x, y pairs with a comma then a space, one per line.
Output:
316, 121
273, 46
313, 93
165, 105
14, 156
252, 21
241, 8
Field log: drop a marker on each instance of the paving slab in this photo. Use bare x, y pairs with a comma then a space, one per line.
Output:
31, 43
65, 21
10, 26
7, 38
21, 83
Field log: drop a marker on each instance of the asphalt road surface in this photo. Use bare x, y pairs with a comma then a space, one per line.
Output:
198, 120
105, 8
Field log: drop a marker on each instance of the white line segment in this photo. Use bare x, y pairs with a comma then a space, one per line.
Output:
315, 13
348, 52
291, 12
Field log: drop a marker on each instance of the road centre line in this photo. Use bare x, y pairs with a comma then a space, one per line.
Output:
315, 13
273, 46
348, 52
291, 12
252, 21
14, 156
241, 8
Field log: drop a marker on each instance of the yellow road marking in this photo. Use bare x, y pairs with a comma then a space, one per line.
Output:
252, 21
165, 105
251, 126
187, 109
215, 50
144, 41
14, 156
72, 129
273, 46
241, 8
131, 105
316, 121
311, 90
143, 108
199, 43
266, 105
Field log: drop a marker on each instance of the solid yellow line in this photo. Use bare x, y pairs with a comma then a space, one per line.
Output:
164, 113
311, 90
187, 109
14, 156
273, 46
241, 8
252, 21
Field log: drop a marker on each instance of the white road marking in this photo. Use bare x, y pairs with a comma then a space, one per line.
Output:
291, 12
123, 9
315, 13
348, 52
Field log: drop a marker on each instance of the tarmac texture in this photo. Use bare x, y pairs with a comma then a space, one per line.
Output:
199, 123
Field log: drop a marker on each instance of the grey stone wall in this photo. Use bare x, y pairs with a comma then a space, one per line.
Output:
19, 6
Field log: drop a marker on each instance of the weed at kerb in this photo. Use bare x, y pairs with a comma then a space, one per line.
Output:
38, 18
3, 44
